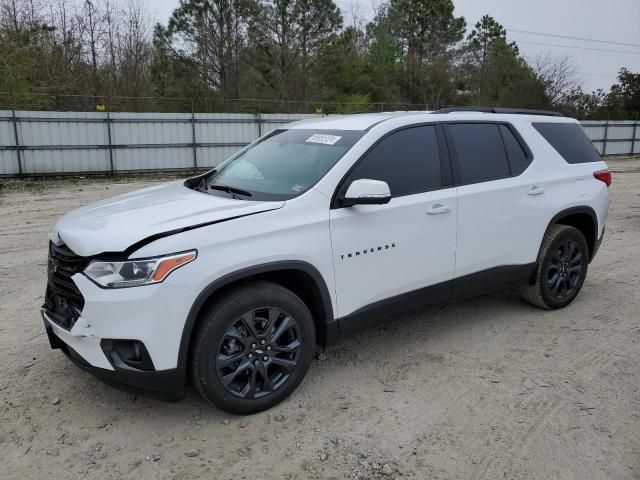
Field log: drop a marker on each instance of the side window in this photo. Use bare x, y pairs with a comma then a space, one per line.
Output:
479, 151
517, 156
570, 141
408, 160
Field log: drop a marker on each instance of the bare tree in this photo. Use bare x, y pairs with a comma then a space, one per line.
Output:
10, 15
558, 74
17, 15
112, 27
92, 30
134, 49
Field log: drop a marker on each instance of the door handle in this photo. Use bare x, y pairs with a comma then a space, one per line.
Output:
438, 208
535, 190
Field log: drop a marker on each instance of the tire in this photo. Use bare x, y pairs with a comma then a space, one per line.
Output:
253, 347
561, 268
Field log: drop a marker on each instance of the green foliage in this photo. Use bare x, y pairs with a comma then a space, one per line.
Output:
506, 80
425, 28
208, 37
622, 102
485, 35
341, 69
579, 104
281, 56
425, 34
383, 60
30, 62
493, 73
348, 104
624, 99
286, 41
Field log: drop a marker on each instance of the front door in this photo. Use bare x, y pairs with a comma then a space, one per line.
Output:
385, 256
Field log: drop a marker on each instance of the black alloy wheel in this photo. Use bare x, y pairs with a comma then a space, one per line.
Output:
258, 352
252, 347
565, 269
561, 268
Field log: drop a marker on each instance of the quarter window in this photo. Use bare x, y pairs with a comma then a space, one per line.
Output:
518, 159
408, 160
570, 141
480, 152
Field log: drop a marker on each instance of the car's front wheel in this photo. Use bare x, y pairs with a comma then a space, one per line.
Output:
561, 268
253, 347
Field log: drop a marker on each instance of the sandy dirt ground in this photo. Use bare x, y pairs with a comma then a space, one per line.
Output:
487, 388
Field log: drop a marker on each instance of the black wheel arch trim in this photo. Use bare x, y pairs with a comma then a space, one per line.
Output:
244, 274
584, 209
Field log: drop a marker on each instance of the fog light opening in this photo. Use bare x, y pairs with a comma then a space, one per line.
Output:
127, 354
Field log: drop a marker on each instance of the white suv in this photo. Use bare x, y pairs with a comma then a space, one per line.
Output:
235, 277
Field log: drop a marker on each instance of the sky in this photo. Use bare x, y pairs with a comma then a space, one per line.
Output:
614, 24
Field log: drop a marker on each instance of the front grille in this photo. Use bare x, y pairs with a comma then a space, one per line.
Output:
63, 298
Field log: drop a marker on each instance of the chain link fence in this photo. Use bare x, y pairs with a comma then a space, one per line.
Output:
210, 104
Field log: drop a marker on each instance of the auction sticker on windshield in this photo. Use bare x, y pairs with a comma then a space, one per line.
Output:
324, 139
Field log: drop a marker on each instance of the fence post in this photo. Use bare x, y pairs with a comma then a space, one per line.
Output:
259, 120
606, 135
633, 136
110, 145
14, 120
193, 142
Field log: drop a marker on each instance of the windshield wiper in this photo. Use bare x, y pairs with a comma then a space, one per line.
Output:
230, 189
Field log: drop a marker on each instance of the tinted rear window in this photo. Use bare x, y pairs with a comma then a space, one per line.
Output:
570, 141
479, 151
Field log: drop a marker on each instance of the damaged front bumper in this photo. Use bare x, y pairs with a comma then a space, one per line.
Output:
86, 351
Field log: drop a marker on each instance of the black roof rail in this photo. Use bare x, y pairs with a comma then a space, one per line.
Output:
359, 112
517, 111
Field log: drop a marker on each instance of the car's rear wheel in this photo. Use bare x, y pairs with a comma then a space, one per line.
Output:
253, 348
561, 268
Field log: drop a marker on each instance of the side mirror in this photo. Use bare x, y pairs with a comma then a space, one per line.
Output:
367, 192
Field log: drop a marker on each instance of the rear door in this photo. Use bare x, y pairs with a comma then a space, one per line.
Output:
382, 252
500, 207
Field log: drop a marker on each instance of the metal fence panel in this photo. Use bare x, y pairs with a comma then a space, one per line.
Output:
139, 128
620, 130
238, 129
8, 160
613, 137
619, 148
61, 128
209, 157
64, 161
158, 158
50, 143
150, 141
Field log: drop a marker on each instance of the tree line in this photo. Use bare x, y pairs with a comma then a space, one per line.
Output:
280, 55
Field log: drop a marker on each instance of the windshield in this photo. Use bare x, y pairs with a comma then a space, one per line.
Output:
282, 165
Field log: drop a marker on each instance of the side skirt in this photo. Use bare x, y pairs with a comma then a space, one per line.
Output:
459, 287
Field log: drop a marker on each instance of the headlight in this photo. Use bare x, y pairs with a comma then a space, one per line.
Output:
132, 273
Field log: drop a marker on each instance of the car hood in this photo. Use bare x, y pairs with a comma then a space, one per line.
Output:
115, 224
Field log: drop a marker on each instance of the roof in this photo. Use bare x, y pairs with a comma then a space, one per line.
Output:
354, 121
364, 121
515, 111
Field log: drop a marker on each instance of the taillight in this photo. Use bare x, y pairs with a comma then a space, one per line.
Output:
603, 176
